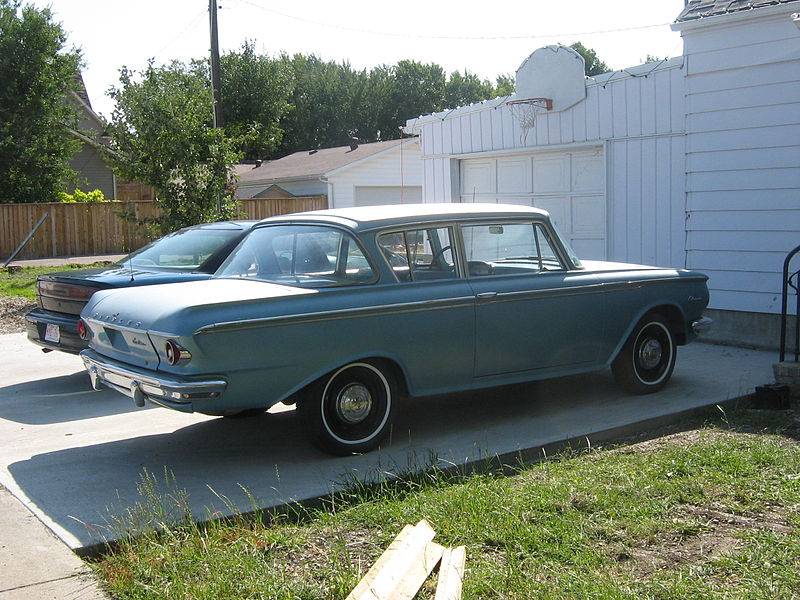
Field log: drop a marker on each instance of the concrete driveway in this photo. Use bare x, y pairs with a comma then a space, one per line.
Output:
74, 456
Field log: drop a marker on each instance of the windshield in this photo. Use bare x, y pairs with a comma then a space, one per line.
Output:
570, 252
183, 250
299, 255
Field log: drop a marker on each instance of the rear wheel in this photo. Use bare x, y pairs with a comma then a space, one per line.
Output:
646, 361
350, 410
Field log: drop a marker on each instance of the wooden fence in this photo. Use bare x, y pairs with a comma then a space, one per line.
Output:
77, 229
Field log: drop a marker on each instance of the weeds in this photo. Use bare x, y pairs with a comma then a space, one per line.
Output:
706, 513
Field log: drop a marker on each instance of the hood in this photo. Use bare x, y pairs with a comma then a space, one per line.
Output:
115, 276
181, 306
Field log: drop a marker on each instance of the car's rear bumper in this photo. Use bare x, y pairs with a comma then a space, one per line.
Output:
37, 321
145, 385
701, 325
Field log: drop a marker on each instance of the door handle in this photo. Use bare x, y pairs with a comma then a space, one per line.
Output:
486, 295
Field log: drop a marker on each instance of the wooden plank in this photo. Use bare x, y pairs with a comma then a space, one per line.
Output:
451, 574
401, 566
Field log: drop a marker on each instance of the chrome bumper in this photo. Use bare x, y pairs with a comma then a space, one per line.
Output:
701, 325
141, 385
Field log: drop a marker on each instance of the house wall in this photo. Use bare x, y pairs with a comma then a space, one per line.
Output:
93, 172
635, 115
399, 167
743, 154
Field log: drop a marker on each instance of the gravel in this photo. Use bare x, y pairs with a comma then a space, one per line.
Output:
12, 313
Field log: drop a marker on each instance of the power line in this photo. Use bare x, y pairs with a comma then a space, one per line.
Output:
191, 25
448, 37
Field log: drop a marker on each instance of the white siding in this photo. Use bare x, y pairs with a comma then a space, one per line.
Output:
398, 167
743, 157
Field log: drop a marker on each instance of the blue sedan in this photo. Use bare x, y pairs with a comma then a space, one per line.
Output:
345, 311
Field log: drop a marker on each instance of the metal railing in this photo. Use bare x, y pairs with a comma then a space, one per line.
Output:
790, 281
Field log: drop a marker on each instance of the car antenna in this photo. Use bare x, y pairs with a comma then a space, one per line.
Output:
130, 266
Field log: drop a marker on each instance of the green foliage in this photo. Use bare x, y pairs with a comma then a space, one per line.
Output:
650, 59
504, 85
468, 88
255, 94
592, 63
162, 136
81, 196
37, 72
22, 282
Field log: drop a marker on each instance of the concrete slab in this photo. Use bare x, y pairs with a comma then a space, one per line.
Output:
34, 565
74, 456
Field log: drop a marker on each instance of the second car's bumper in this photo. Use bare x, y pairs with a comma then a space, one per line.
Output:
146, 385
65, 327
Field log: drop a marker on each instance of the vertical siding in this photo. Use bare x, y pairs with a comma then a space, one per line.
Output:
646, 196
743, 158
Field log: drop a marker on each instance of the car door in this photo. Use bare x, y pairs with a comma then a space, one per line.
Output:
531, 312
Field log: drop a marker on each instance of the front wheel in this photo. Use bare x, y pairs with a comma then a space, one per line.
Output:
350, 410
645, 363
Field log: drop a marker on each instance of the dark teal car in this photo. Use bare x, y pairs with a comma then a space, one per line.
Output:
345, 311
189, 254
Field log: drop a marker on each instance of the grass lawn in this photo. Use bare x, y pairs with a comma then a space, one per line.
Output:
23, 282
708, 510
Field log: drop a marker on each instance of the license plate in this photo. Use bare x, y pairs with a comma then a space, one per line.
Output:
52, 333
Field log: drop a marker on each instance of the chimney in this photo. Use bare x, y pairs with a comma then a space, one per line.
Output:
353, 143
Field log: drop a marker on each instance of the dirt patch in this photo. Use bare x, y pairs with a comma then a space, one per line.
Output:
12, 313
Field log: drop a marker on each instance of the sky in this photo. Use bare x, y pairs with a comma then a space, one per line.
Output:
485, 38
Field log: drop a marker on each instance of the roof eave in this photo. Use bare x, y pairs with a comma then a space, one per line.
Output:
736, 17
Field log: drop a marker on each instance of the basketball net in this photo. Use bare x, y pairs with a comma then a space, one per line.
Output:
526, 111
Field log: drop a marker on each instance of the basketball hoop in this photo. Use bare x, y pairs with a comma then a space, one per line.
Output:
525, 112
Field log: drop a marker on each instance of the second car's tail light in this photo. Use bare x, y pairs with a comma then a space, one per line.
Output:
83, 330
176, 353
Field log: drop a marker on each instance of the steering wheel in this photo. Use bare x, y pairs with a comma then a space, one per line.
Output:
439, 254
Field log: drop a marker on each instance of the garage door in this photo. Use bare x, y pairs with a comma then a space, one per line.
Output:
569, 185
375, 195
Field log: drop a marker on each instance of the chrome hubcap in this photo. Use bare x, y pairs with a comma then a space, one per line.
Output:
354, 403
650, 353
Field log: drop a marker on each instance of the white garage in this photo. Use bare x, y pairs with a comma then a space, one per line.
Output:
569, 185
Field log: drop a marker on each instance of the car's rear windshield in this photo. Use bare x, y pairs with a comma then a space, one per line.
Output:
299, 255
183, 250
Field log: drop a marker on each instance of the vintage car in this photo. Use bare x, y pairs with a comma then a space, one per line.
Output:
185, 255
344, 311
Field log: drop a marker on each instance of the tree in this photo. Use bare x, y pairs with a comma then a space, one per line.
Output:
256, 91
37, 73
162, 135
468, 88
650, 59
592, 64
504, 85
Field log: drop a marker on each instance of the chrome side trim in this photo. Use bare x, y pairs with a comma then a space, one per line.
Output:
344, 313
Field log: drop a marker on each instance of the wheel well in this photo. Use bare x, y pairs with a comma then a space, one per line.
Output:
675, 321
395, 371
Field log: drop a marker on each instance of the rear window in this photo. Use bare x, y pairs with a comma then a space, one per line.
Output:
183, 250
299, 255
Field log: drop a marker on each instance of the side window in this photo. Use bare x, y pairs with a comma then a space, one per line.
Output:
419, 254
509, 248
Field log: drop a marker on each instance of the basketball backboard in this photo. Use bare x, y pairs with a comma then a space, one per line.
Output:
554, 72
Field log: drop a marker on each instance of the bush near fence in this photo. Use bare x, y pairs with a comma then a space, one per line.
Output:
98, 228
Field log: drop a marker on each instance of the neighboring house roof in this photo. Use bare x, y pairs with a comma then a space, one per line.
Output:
311, 164
700, 9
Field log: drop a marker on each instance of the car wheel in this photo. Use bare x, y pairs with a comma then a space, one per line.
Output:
350, 410
645, 363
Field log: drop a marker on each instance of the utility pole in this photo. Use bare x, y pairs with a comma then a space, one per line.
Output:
215, 78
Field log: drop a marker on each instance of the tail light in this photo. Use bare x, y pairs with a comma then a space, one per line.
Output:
83, 330
175, 353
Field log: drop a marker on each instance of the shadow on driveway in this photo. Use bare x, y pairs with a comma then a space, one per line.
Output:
59, 400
